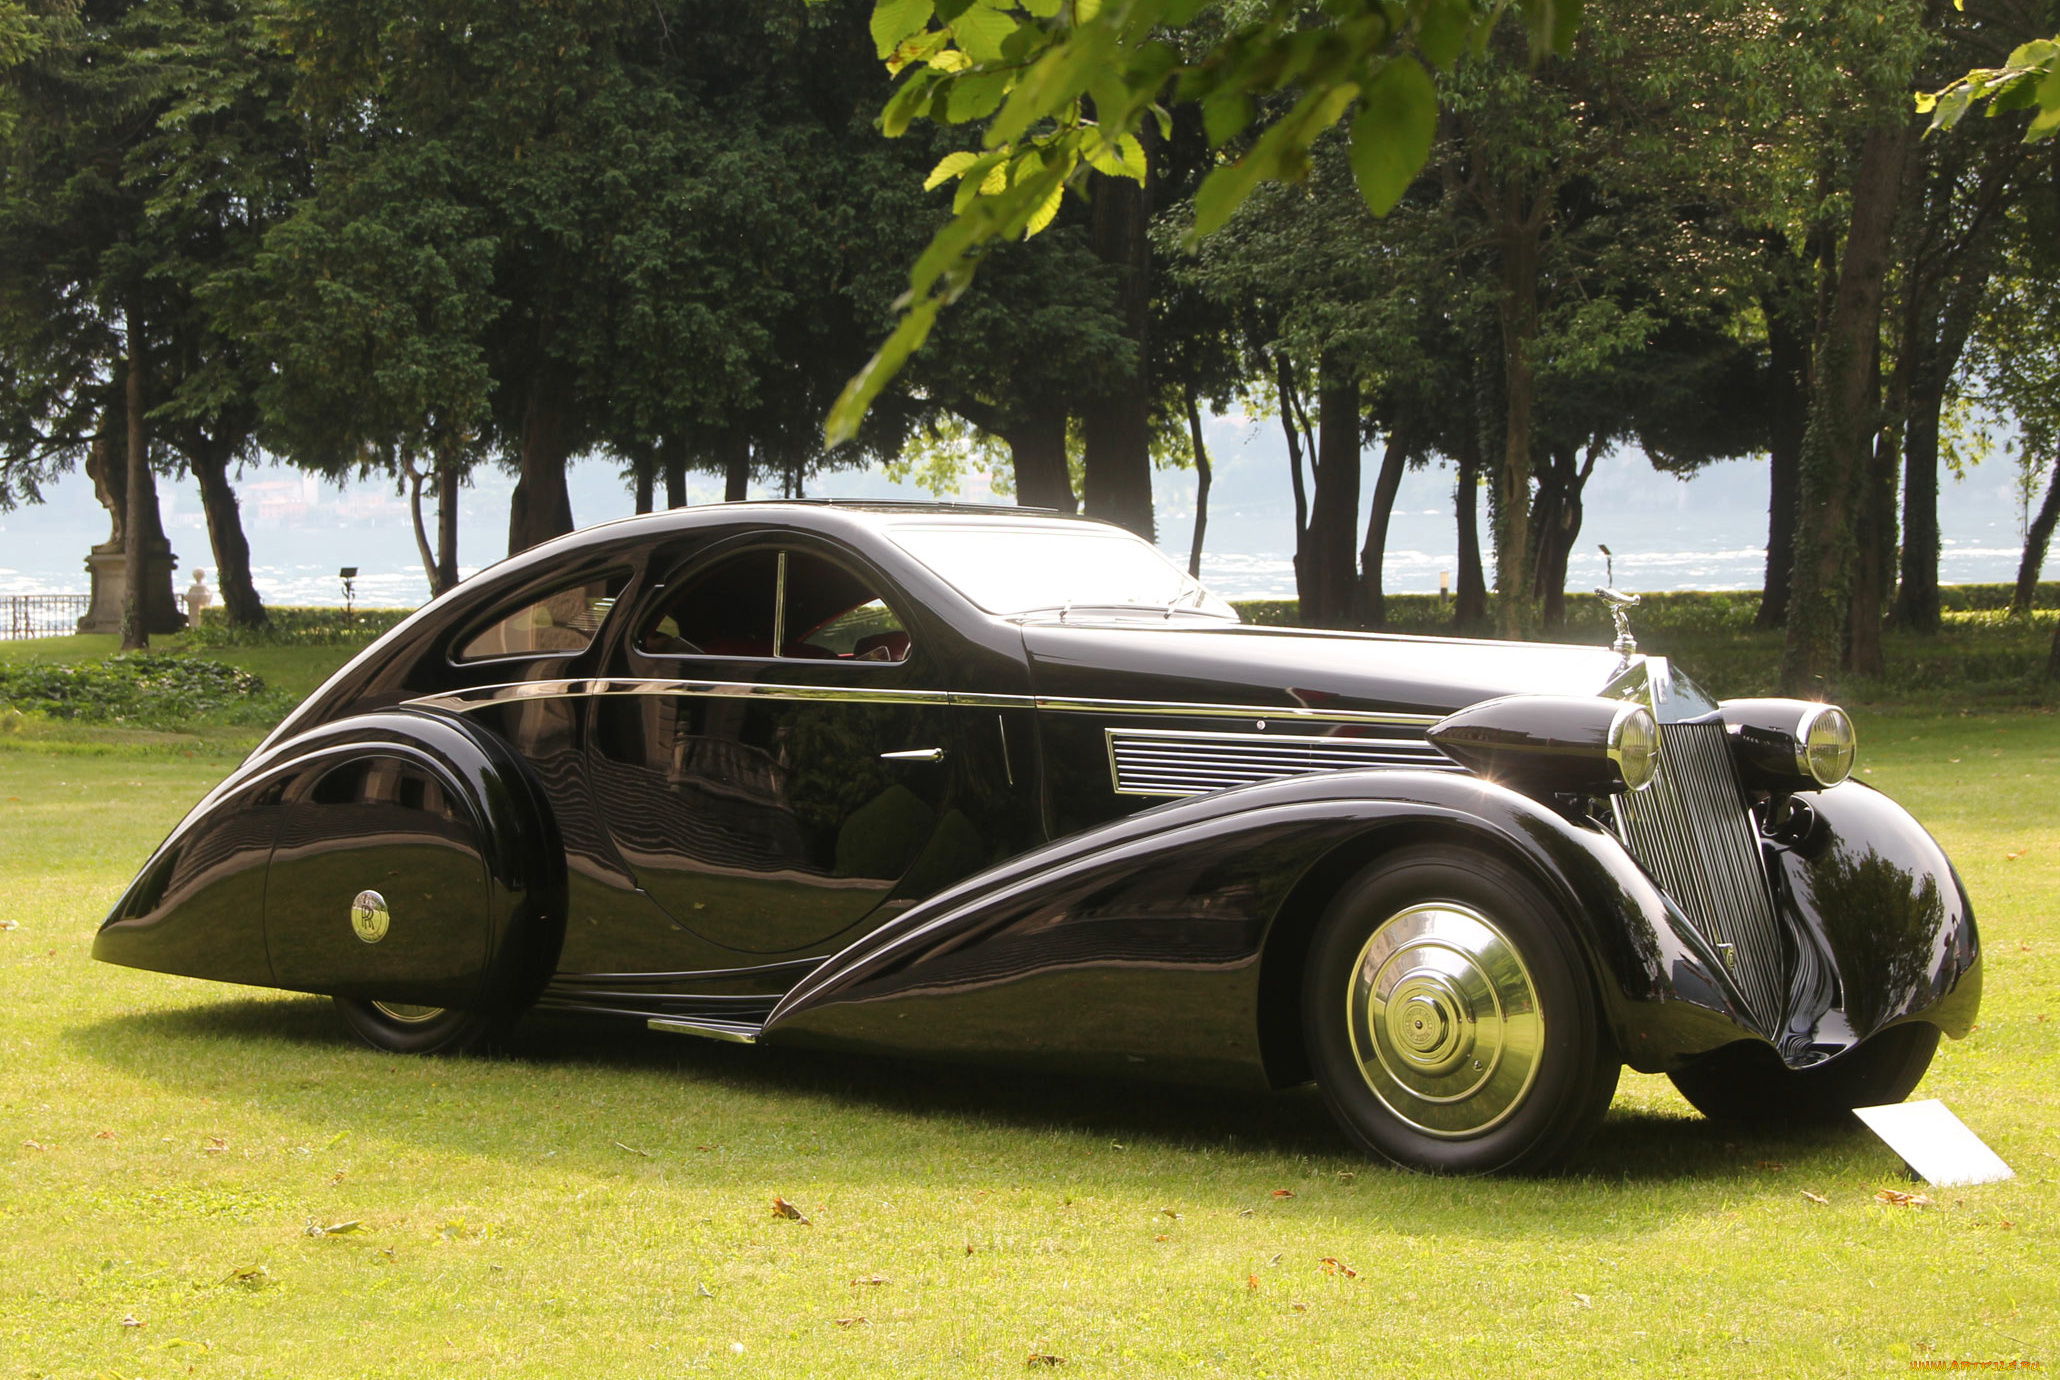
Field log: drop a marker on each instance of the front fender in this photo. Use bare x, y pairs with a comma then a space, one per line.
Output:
1888, 932
1141, 942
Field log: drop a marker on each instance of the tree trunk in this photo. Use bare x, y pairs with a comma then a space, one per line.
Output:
1916, 605
1115, 423
2037, 536
736, 467
1037, 449
1874, 530
1842, 418
241, 606
1916, 599
1373, 598
446, 530
1470, 599
1788, 406
672, 458
1284, 386
1519, 313
1203, 478
1556, 526
141, 502
644, 471
423, 550
2053, 656
1334, 508
542, 508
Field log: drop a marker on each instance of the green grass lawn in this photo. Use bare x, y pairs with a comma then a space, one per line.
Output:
600, 1201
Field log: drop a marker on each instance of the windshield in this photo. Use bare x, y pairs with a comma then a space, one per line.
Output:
1020, 567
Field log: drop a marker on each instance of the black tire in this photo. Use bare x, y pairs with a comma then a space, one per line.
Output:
1747, 1082
402, 1029
1444, 972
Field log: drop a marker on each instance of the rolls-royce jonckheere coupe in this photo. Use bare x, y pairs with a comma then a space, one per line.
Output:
1007, 786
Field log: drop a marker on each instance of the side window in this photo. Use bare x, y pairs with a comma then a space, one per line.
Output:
833, 614
726, 610
766, 604
559, 624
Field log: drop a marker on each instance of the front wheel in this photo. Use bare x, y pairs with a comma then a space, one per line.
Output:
1450, 1019
1748, 1082
400, 1028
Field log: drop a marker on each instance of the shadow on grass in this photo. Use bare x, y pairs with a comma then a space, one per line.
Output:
236, 1044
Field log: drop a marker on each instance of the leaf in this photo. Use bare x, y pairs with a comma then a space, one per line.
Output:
1169, 1212
1045, 210
1283, 1193
1252, 1283
1583, 1301
131, 1320
982, 31
1044, 1358
1550, 25
1774, 1166
977, 96
317, 1231
1819, 1199
630, 1149
1334, 1266
1895, 1197
895, 20
1392, 133
703, 1291
869, 1280
1441, 31
848, 1322
782, 1208
247, 1276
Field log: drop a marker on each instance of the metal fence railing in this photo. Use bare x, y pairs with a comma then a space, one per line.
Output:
41, 615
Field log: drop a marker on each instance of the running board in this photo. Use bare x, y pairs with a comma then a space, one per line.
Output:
730, 1032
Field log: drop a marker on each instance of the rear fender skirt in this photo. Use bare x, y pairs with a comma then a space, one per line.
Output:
202, 903
1138, 945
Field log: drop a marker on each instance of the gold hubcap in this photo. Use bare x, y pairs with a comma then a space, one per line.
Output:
408, 1015
1444, 1019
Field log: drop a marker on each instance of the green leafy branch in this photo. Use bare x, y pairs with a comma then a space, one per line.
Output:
2029, 80
1067, 88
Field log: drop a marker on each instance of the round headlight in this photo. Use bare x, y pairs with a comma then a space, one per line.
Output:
1634, 746
1824, 744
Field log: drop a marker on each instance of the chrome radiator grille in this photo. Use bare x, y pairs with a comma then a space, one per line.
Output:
1692, 833
1173, 762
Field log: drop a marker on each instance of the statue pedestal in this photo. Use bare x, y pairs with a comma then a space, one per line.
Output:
109, 566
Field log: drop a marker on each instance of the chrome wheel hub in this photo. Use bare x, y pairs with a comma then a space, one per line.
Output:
1444, 1019
406, 1013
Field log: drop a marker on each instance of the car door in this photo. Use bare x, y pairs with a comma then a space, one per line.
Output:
781, 766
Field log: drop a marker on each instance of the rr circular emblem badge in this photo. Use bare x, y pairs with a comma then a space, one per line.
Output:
368, 917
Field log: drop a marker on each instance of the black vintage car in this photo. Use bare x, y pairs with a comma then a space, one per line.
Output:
1007, 786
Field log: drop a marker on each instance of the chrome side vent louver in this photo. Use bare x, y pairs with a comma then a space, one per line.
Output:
1177, 762
1693, 834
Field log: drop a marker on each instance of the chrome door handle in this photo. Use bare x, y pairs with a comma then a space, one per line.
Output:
914, 755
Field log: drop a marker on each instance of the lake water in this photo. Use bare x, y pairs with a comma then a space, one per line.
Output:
1708, 532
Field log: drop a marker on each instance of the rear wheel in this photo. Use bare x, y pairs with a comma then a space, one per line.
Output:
400, 1028
1748, 1082
1450, 1019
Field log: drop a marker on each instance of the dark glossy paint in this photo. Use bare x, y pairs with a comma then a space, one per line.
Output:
717, 839
1548, 743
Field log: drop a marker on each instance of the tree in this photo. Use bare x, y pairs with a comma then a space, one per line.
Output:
1064, 92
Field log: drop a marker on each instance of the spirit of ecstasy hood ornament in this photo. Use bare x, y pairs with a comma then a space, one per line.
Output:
1620, 604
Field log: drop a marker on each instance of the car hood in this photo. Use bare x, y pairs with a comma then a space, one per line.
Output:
1182, 660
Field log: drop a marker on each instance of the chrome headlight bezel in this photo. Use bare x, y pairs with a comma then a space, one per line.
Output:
1634, 746
1791, 745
